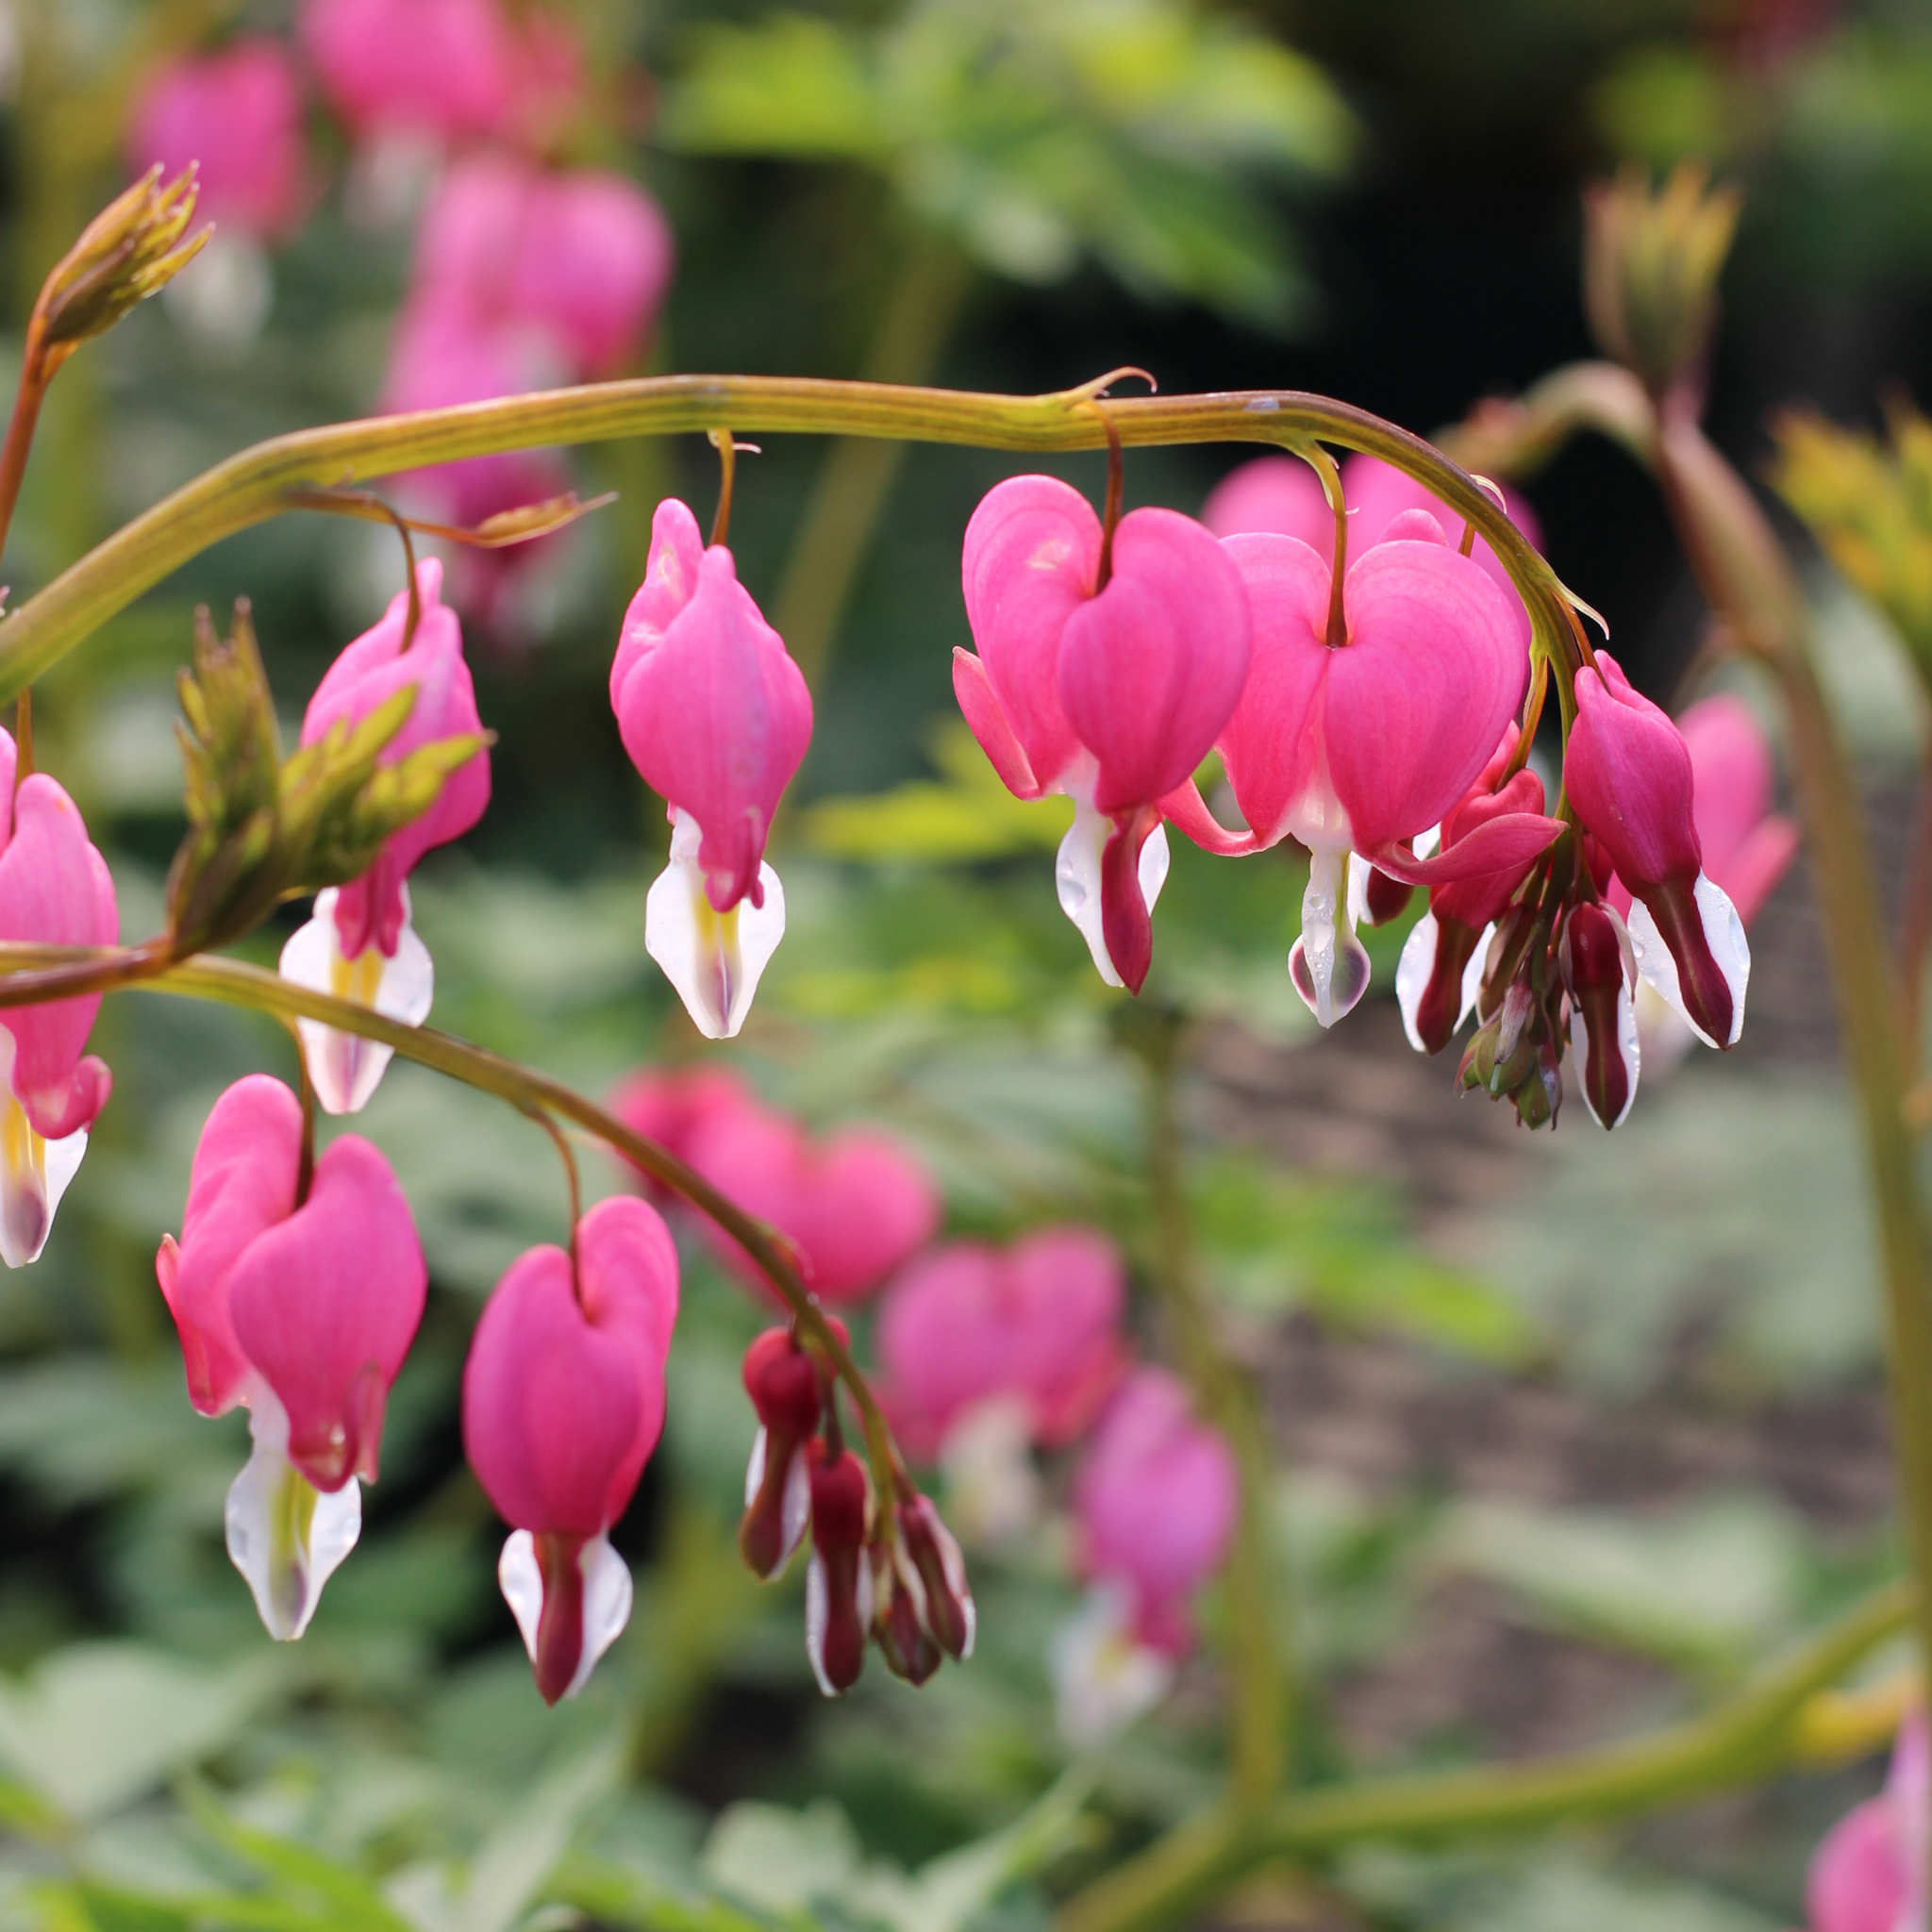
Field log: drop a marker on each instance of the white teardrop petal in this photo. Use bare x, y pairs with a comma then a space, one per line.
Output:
1103, 1678
1724, 932
522, 1583
607, 1596
818, 1614
343, 1068
1328, 965
1472, 972
1413, 972
286, 1537
1077, 880
714, 959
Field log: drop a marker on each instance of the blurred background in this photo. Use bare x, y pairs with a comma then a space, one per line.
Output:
1575, 1429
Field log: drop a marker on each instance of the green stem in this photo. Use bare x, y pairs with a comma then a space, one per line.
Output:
850, 491
1751, 1735
1259, 1670
255, 485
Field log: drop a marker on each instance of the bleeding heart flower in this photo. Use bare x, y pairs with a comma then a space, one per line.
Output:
445, 68
1282, 494
1111, 694
55, 891
716, 717
1870, 1873
853, 1205
563, 1402
360, 944
1628, 772
671, 1105
1363, 740
300, 1308
967, 1325
782, 1381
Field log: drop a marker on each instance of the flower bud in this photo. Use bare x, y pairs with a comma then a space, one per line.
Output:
902, 1638
782, 1381
1601, 974
1651, 263
1628, 772
837, 1586
941, 1571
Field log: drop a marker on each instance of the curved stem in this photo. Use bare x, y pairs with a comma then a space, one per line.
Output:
1762, 1729
52, 972
255, 485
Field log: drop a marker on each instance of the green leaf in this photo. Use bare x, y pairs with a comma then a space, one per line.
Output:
356, 1905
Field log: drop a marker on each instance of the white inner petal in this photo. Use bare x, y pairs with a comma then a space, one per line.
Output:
1103, 1679
713, 958
34, 1171
992, 1490
1413, 972
1724, 932
522, 1583
286, 1537
1472, 972
607, 1604
343, 1068
1328, 964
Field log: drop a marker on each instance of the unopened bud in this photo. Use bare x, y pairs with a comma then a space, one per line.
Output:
838, 1588
1540, 1095
1385, 898
909, 1651
1599, 972
131, 250
1651, 260
782, 1381
941, 1571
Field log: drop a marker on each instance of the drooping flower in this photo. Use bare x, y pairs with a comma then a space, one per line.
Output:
838, 1582
716, 717
853, 1205
1600, 975
1746, 846
1628, 772
1869, 1875
1154, 1501
54, 891
563, 1402
300, 1308
1364, 740
1283, 496
1111, 694
1039, 1325
782, 1381
360, 944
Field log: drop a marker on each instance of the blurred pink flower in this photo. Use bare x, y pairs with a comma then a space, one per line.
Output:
1155, 1501
446, 68
1870, 1873
670, 1105
854, 1204
239, 113
579, 260
968, 1323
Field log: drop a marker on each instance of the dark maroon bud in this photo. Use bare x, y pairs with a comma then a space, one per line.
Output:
1385, 898
941, 1571
837, 1590
909, 1651
782, 1381
1601, 978
1438, 955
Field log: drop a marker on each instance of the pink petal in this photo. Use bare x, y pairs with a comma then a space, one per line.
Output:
592, 266
1150, 669
988, 724
325, 1304
1506, 844
243, 1183
1730, 761
671, 581
716, 717
446, 67
1858, 1881
1031, 553
554, 1403
1756, 863
1419, 695
1627, 773
1278, 495
54, 889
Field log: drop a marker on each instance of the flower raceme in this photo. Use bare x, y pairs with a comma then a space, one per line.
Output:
1628, 772
563, 1402
296, 1297
359, 944
1112, 693
1364, 718
1154, 1503
1871, 1872
54, 891
716, 717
